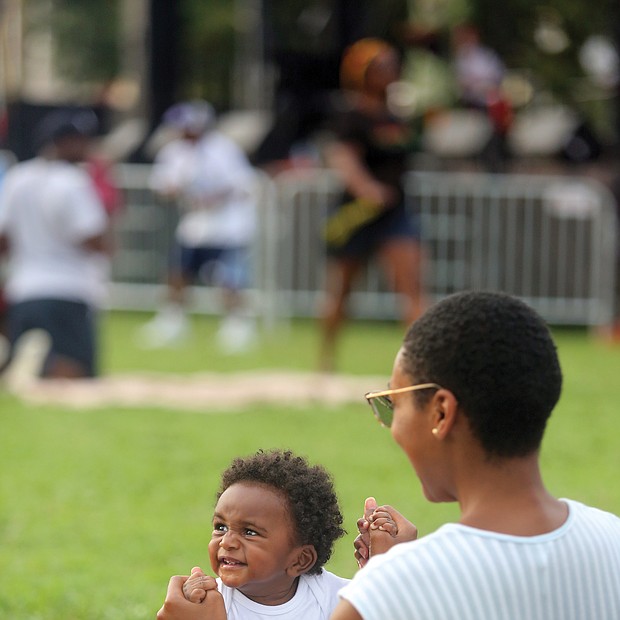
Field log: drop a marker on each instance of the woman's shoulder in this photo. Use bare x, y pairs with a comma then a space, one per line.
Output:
580, 513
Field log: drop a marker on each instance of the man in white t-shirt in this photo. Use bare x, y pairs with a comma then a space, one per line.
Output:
52, 227
211, 181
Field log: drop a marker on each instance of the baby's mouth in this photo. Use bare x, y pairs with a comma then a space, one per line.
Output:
230, 562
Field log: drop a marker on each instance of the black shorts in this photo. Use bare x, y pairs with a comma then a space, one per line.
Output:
70, 324
392, 224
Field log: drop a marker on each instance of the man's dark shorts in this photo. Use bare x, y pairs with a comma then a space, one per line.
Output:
225, 267
70, 324
395, 223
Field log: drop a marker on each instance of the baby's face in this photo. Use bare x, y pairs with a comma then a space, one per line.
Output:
252, 547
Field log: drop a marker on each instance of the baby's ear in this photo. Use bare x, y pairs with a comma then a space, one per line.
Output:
303, 561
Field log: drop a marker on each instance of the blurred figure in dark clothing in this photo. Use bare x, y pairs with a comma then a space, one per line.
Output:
369, 154
305, 41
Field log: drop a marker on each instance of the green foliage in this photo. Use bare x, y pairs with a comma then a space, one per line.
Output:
509, 28
99, 507
207, 50
86, 38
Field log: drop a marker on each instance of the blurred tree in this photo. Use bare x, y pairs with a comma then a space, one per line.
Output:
164, 67
207, 50
546, 39
86, 38
543, 37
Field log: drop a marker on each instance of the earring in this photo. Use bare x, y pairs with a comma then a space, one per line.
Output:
435, 431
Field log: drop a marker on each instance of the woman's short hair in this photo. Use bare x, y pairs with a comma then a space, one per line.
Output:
497, 356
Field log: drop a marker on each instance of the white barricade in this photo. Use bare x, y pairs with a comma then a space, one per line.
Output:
549, 240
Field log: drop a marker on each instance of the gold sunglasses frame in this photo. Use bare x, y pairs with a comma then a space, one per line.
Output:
369, 396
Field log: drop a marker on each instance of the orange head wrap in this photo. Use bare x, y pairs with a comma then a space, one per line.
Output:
356, 59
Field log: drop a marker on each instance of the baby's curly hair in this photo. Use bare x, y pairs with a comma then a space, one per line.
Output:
309, 492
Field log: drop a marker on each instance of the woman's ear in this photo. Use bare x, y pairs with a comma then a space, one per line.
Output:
445, 408
303, 560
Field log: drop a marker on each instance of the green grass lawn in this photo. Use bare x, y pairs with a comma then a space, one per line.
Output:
99, 508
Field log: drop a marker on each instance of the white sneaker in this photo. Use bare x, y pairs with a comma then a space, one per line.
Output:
28, 358
236, 334
4, 350
169, 328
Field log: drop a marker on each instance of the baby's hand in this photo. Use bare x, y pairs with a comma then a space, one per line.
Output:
388, 528
196, 587
380, 528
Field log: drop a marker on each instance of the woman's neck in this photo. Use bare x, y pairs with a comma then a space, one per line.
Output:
508, 496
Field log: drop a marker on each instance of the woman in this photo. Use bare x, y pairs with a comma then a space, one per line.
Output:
370, 156
472, 388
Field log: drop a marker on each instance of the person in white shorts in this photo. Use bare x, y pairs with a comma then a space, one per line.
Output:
211, 181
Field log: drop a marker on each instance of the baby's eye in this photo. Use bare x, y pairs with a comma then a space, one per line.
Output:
249, 532
220, 527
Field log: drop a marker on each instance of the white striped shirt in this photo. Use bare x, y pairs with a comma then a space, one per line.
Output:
572, 573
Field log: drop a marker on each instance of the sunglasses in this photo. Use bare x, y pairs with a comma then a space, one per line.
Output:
382, 405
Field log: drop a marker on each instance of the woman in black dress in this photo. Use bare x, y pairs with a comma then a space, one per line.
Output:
370, 155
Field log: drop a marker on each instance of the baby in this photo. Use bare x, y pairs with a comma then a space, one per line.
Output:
274, 526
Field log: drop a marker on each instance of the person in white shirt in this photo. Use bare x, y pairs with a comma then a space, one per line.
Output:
211, 181
274, 527
472, 388
53, 229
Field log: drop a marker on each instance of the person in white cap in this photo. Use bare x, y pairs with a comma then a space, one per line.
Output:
211, 181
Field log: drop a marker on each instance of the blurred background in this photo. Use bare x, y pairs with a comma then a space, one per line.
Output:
101, 501
134, 58
270, 68
554, 64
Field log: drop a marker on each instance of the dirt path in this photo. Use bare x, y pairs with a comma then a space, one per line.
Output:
202, 393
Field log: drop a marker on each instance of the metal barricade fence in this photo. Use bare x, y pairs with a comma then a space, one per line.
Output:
304, 198
143, 234
549, 240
